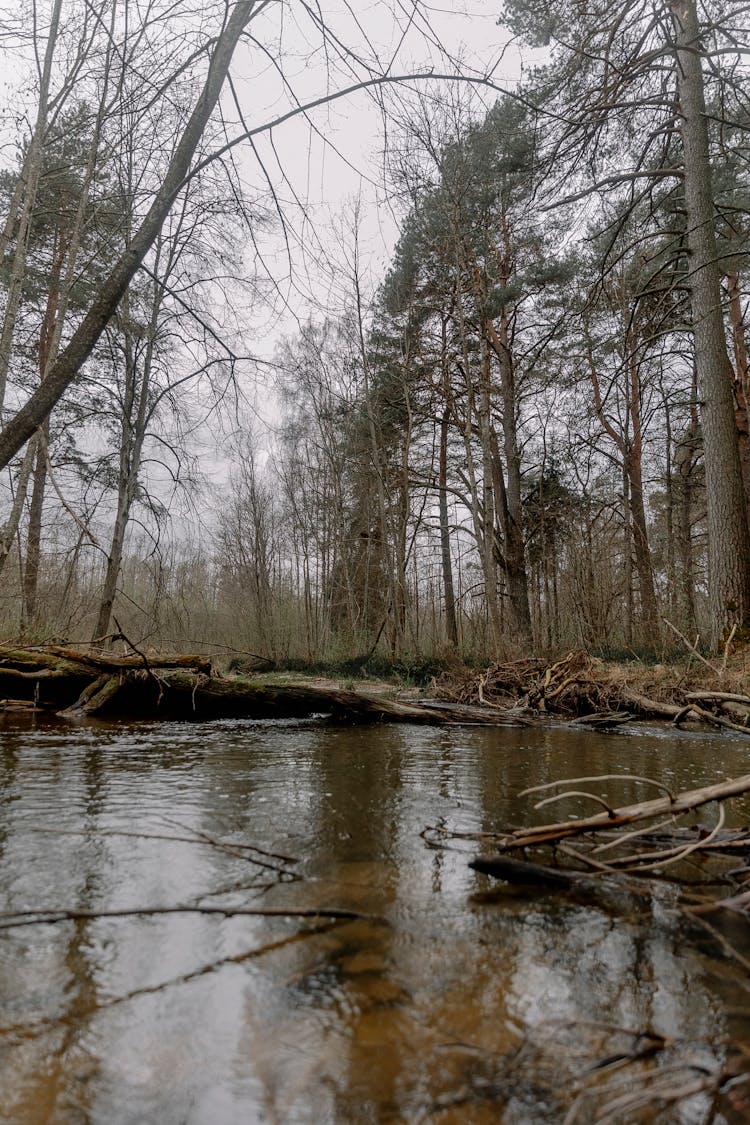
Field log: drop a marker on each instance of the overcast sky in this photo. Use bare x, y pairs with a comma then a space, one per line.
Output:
316, 175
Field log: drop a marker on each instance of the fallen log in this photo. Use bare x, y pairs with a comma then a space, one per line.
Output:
47, 680
627, 814
204, 696
652, 708
716, 697
114, 662
522, 873
149, 685
95, 697
717, 720
146, 684
488, 715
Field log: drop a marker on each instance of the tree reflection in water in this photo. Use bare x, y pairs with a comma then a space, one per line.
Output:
445, 1005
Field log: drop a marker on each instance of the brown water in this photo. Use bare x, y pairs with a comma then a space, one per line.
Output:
447, 1007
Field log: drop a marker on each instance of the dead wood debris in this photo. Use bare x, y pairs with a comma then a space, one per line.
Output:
594, 1073
577, 688
591, 693
154, 685
651, 842
623, 853
622, 843
13, 919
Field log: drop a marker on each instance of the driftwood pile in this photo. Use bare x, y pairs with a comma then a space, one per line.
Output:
624, 859
581, 688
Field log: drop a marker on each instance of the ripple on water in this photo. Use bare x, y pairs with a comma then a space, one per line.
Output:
441, 995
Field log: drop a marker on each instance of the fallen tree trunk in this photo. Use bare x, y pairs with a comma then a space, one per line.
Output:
114, 662
95, 697
205, 696
144, 685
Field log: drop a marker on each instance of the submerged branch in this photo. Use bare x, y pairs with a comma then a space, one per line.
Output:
11, 920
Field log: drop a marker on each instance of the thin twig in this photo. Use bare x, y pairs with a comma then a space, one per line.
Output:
726, 945
596, 777
576, 793
37, 1027
727, 646
632, 835
676, 854
199, 839
13, 919
231, 850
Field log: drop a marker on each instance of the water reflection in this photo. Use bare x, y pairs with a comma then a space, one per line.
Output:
448, 1004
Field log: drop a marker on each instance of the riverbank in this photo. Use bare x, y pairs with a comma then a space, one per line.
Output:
576, 687
713, 692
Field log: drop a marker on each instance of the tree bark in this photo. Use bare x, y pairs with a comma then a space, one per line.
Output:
449, 595
741, 375
728, 538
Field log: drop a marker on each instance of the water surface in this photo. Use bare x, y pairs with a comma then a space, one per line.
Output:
445, 1005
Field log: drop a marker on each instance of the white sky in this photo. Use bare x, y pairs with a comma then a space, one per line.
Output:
317, 167
326, 175
316, 175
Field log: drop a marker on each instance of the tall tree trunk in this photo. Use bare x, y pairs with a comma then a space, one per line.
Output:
685, 460
114, 560
627, 552
449, 594
515, 553
11, 525
133, 422
728, 538
34, 533
669, 509
393, 571
649, 613
49, 336
741, 375
474, 411
686, 456
641, 549
489, 469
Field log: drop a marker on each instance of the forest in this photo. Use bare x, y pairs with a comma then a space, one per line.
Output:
528, 431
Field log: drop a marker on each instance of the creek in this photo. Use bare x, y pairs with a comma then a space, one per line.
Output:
453, 1002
